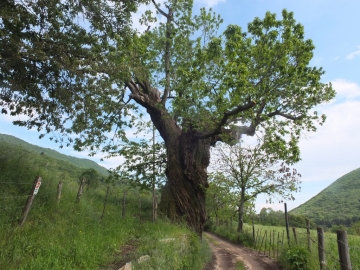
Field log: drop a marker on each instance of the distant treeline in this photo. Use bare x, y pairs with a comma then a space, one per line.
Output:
270, 217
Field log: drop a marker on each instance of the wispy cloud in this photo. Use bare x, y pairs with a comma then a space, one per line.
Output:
209, 3
346, 89
351, 56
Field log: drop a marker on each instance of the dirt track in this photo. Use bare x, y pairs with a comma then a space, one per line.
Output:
226, 254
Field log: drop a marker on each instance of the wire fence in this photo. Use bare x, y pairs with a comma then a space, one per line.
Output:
331, 251
14, 198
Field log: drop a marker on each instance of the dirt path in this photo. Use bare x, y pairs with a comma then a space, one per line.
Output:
226, 254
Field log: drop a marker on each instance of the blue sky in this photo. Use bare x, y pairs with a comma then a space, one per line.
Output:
334, 27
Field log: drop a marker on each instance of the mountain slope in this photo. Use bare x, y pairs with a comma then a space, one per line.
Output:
78, 162
340, 200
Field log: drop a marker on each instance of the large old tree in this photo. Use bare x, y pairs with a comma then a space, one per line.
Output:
95, 83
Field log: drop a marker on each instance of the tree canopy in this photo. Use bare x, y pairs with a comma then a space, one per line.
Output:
94, 78
69, 77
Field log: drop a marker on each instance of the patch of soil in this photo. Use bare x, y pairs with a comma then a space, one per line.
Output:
121, 257
227, 254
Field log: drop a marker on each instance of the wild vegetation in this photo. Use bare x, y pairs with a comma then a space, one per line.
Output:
338, 204
77, 162
69, 235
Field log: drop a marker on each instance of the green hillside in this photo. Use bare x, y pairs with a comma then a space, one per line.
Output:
78, 162
110, 226
339, 202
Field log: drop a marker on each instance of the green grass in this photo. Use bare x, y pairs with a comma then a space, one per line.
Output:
72, 236
240, 266
78, 162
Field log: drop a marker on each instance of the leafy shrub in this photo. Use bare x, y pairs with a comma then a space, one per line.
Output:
295, 258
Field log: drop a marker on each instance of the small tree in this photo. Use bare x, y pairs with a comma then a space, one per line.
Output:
220, 201
255, 170
92, 178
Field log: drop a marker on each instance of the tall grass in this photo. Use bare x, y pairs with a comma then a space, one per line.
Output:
72, 236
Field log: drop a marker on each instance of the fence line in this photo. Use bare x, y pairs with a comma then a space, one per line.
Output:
264, 245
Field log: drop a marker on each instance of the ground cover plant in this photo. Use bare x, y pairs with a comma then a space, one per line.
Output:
68, 235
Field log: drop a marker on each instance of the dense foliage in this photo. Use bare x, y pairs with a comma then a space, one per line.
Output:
94, 77
338, 204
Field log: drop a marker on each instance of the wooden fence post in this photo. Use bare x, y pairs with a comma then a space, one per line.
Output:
81, 187
344, 254
139, 205
256, 238
295, 237
270, 243
277, 246
321, 248
274, 243
308, 234
253, 232
262, 241
30, 199
155, 208
124, 204
287, 224
59, 188
106, 197
265, 242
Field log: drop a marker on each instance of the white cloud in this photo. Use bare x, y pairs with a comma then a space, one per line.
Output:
346, 89
210, 3
351, 56
334, 149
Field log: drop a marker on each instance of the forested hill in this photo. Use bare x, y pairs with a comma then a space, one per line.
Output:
338, 203
78, 162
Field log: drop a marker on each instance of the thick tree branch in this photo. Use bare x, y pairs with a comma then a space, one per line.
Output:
159, 9
167, 56
287, 116
224, 121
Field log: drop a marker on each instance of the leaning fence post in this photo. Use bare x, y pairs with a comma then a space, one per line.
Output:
59, 191
81, 187
274, 243
308, 234
295, 237
105, 202
34, 191
277, 246
253, 232
343, 247
287, 224
321, 248
124, 204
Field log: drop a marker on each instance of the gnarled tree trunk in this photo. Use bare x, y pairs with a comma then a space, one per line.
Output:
184, 194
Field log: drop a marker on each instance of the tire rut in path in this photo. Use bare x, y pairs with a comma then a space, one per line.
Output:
226, 254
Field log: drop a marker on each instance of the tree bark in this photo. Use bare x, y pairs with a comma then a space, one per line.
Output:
183, 197
241, 212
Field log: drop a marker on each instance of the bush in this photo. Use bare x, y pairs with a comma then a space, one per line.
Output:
295, 258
